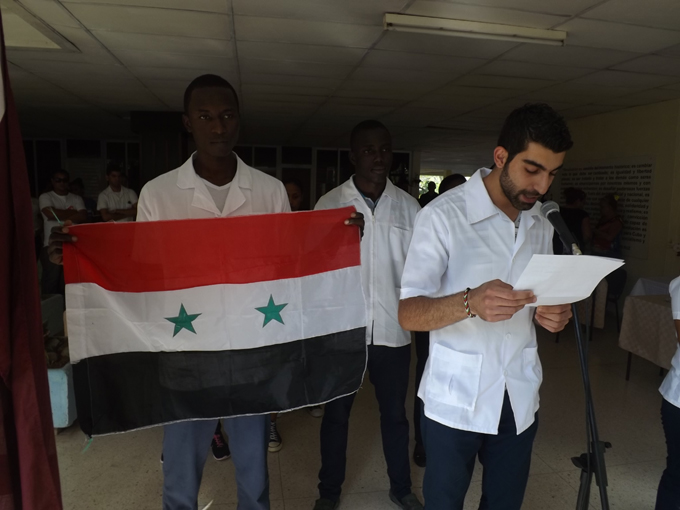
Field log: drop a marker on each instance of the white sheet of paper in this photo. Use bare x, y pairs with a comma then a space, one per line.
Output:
562, 279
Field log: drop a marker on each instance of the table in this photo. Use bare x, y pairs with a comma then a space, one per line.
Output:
648, 331
652, 286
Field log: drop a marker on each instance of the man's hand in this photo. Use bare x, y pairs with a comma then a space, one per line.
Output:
496, 301
553, 318
356, 218
58, 237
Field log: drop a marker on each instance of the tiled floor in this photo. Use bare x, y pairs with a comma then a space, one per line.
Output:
123, 472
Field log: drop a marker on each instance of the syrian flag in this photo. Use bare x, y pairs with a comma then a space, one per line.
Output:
197, 319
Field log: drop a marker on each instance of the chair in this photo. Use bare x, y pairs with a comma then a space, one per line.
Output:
616, 282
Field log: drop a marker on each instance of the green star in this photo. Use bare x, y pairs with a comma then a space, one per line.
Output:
272, 312
183, 321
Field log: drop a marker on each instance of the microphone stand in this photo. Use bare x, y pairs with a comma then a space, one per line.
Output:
592, 462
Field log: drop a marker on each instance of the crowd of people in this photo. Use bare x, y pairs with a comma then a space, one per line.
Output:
445, 270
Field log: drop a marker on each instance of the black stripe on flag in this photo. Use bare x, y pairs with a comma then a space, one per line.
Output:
128, 391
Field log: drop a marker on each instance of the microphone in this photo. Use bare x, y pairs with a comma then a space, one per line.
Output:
551, 212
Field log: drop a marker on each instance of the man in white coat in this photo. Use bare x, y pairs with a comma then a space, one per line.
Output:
481, 380
390, 214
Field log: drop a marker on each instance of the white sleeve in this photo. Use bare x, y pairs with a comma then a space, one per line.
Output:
102, 201
324, 203
44, 201
143, 209
675, 298
134, 197
79, 204
428, 256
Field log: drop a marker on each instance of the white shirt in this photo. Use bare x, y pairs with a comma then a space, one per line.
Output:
219, 194
670, 388
387, 235
117, 200
461, 239
181, 194
51, 199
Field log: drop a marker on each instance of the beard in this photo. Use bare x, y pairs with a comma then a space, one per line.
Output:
513, 194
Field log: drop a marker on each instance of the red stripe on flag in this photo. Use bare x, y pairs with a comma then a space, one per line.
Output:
172, 255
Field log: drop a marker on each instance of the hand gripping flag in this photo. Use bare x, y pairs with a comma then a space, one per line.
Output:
199, 319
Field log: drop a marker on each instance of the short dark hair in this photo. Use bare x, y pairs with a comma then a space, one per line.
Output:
450, 182
534, 122
54, 173
366, 125
205, 81
573, 195
114, 168
293, 180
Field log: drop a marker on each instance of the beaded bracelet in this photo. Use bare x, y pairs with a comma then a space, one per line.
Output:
467, 305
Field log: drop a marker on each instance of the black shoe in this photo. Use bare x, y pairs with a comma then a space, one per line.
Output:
220, 448
409, 502
419, 456
326, 504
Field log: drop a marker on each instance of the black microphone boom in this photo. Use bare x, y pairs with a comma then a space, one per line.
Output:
551, 212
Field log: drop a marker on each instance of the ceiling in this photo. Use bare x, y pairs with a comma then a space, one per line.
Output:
308, 70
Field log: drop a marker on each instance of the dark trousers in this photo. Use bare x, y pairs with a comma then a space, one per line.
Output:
668, 497
451, 454
388, 371
52, 281
422, 352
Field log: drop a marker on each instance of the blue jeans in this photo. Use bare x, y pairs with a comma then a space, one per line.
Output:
451, 453
388, 371
185, 449
668, 497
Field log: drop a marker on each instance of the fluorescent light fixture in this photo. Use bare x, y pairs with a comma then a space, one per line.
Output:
473, 29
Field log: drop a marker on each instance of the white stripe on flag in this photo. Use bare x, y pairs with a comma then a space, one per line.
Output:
104, 322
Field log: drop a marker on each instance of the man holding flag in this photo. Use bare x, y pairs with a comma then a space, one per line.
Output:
213, 183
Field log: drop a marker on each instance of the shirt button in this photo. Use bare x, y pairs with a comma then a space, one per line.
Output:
508, 336
505, 372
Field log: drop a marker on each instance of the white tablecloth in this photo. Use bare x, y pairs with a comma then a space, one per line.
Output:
654, 286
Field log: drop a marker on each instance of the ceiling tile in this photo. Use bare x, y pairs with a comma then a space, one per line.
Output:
271, 89
526, 70
560, 7
478, 80
332, 109
288, 80
218, 6
249, 28
625, 79
652, 64
455, 103
348, 11
484, 14
573, 56
577, 92
300, 52
255, 98
644, 97
224, 69
419, 61
587, 110
258, 66
650, 13
382, 90
490, 90
144, 20
165, 43
430, 78
601, 34
52, 13
155, 59
443, 45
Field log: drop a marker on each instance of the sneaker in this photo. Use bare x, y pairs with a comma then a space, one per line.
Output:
220, 448
419, 457
275, 441
315, 411
409, 502
326, 504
